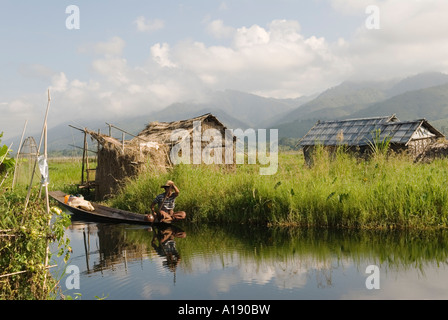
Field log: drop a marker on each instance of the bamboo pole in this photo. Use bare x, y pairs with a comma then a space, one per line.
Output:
4, 178
86, 146
17, 157
38, 150
83, 158
72, 145
46, 157
122, 140
119, 129
19, 272
47, 196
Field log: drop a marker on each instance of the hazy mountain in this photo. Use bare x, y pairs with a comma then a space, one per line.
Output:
417, 82
295, 129
430, 103
234, 109
242, 110
419, 96
180, 111
337, 102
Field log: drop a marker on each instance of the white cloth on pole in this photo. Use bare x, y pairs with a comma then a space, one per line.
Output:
43, 168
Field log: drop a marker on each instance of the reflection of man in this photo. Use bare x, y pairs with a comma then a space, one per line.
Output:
167, 246
166, 204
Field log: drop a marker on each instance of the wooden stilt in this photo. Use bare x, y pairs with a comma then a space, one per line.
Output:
84, 152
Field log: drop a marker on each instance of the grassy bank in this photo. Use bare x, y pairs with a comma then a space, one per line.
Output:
342, 192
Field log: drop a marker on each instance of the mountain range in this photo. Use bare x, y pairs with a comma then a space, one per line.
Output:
423, 95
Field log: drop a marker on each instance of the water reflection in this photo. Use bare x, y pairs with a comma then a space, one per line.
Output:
241, 262
115, 245
164, 244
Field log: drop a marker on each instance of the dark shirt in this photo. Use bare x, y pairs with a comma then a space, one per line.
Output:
168, 205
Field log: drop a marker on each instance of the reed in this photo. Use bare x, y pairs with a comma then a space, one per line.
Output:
338, 191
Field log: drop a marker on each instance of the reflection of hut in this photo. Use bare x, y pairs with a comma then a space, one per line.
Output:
358, 135
156, 146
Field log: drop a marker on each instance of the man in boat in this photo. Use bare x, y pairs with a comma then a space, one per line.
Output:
166, 204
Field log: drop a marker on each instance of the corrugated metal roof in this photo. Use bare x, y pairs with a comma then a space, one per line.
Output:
360, 132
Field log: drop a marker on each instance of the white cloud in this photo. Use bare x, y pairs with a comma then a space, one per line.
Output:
276, 59
285, 31
160, 54
19, 106
408, 284
272, 61
114, 70
218, 30
411, 38
144, 25
250, 37
59, 82
279, 60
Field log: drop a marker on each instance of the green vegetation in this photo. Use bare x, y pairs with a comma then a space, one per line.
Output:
65, 174
6, 163
342, 192
378, 146
25, 236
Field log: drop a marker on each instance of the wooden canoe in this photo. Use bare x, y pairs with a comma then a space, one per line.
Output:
101, 213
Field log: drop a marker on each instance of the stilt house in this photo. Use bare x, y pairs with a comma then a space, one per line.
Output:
359, 134
154, 147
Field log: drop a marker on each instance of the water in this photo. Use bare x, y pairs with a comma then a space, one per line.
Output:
127, 262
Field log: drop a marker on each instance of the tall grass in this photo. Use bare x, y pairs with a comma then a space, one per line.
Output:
338, 191
64, 175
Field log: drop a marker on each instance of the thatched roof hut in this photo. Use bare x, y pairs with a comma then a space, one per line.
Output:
358, 134
154, 147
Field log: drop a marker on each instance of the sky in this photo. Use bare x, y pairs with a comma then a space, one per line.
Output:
109, 59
